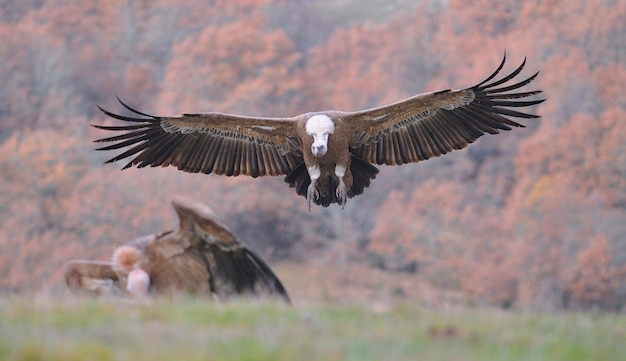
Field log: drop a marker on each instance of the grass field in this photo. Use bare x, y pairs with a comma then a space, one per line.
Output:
195, 329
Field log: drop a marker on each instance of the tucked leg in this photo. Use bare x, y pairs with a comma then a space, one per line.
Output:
314, 174
342, 193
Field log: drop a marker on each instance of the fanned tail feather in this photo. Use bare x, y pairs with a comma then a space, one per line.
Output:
362, 173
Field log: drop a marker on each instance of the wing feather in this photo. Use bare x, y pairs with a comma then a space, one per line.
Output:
208, 142
243, 161
227, 157
496, 72
206, 162
431, 136
412, 146
186, 155
389, 151
404, 147
415, 133
431, 124
233, 165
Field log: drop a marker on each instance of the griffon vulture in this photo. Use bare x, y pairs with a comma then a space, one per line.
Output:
202, 256
327, 156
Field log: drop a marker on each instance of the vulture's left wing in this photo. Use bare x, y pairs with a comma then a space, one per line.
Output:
234, 268
431, 124
207, 143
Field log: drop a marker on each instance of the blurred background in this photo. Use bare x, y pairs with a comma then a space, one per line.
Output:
533, 218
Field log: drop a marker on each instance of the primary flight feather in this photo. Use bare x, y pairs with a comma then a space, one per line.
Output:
327, 156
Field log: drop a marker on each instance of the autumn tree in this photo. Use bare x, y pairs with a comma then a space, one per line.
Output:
595, 280
240, 66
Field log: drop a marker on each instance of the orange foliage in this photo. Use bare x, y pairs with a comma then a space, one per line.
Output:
409, 231
595, 280
235, 67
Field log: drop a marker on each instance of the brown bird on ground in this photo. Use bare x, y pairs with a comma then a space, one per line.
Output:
327, 156
202, 256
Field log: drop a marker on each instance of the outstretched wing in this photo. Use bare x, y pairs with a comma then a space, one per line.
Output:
431, 124
233, 267
207, 143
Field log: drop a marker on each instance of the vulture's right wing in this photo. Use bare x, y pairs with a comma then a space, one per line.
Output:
219, 143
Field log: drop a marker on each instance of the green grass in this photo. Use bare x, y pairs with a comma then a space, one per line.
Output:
192, 329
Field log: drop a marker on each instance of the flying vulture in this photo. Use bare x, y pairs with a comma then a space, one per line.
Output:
202, 256
326, 156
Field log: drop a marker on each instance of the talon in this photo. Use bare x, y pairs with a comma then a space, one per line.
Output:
340, 192
311, 193
314, 174
342, 195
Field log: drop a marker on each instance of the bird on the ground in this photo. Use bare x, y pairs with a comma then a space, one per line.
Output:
201, 256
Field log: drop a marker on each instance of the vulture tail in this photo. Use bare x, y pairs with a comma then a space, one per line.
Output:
362, 173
